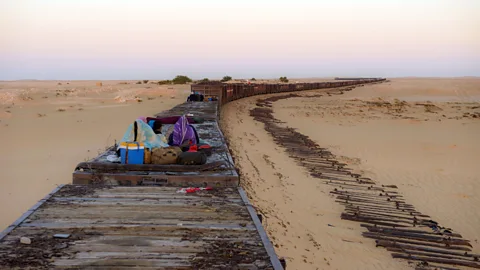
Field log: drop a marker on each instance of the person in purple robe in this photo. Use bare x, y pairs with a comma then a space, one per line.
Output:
183, 132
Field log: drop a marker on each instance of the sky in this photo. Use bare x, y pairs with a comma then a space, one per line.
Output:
153, 39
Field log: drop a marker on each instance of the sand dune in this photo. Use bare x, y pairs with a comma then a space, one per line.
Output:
420, 134
47, 128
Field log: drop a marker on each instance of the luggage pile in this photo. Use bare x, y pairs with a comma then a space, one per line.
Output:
145, 142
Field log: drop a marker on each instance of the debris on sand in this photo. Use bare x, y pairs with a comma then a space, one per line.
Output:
429, 107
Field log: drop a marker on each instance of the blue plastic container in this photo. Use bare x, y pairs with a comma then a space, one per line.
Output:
132, 152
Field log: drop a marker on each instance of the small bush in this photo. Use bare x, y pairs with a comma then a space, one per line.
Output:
164, 82
253, 79
145, 81
139, 82
226, 78
284, 79
181, 79
205, 80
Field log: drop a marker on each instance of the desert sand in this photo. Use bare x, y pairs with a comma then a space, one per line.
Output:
419, 134
48, 127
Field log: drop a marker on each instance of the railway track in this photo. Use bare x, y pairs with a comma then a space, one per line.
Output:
388, 219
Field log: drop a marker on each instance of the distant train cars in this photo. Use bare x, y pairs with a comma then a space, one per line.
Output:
226, 92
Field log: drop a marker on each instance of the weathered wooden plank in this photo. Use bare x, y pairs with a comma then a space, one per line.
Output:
117, 227
114, 262
177, 199
138, 214
187, 222
152, 232
472, 264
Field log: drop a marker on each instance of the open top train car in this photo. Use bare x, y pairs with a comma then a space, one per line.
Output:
114, 227
218, 171
210, 89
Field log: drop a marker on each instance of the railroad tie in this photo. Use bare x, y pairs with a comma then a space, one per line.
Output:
394, 224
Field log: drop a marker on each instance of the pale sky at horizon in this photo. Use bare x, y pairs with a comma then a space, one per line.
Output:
146, 39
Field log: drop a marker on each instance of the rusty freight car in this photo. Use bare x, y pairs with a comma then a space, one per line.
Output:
210, 89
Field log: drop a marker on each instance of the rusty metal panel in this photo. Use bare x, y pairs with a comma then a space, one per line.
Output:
208, 89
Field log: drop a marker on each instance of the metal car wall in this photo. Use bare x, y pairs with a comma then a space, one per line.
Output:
234, 91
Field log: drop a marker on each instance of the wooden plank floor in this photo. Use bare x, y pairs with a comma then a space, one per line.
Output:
138, 227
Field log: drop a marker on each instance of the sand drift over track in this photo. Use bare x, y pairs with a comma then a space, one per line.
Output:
393, 223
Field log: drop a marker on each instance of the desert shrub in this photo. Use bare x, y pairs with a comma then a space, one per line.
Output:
205, 80
164, 82
145, 81
139, 82
226, 78
181, 79
284, 79
253, 79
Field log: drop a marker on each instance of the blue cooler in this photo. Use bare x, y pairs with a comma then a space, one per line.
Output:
132, 152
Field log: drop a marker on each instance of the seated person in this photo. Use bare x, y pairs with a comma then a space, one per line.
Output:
195, 96
156, 126
140, 131
183, 133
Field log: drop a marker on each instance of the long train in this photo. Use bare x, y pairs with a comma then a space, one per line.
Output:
227, 92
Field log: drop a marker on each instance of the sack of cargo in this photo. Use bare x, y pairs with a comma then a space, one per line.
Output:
166, 155
147, 157
192, 158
